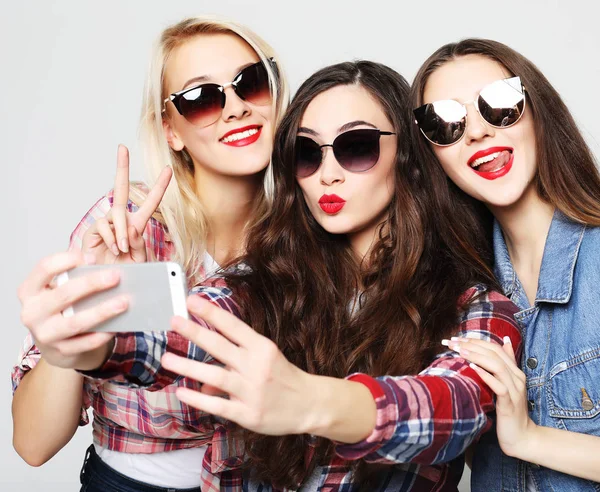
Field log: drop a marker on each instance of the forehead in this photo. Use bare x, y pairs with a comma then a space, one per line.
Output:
463, 78
342, 104
215, 56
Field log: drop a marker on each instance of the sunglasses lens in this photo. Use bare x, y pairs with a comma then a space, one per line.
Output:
442, 122
501, 103
308, 156
202, 106
357, 150
252, 85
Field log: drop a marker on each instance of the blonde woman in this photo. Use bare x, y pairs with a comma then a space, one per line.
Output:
213, 97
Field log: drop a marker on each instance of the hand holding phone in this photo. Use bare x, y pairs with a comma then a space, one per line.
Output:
67, 342
155, 291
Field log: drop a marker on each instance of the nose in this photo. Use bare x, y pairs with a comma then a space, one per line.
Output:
235, 107
477, 129
330, 172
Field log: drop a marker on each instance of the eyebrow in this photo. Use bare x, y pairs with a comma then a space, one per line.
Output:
341, 129
352, 124
204, 78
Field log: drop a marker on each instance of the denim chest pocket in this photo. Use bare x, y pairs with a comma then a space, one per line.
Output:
574, 393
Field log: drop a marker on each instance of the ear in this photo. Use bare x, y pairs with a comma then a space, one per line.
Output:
174, 141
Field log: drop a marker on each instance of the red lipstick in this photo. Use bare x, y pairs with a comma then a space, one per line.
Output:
331, 204
496, 167
254, 135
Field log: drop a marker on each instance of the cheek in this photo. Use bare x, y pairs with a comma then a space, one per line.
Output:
267, 113
448, 159
308, 187
199, 138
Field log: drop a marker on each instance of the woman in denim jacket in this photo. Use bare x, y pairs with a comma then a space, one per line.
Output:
488, 119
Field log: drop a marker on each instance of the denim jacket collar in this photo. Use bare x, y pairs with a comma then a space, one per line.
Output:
558, 263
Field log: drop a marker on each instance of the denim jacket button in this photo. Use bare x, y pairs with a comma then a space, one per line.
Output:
532, 362
531, 405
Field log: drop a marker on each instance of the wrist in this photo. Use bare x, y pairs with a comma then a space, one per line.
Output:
341, 410
317, 411
95, 359
531, 442
527, 446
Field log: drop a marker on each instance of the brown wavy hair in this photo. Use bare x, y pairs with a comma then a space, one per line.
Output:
567, 176
302, 279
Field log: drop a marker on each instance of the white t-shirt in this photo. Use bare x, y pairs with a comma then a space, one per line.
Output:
180, 468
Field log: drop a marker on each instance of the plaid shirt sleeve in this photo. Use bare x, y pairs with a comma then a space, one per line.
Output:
156, 240
434, 416
135, 359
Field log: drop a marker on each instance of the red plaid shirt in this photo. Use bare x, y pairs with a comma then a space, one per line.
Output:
424, 422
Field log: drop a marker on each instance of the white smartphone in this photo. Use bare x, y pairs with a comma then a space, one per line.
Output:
157, 291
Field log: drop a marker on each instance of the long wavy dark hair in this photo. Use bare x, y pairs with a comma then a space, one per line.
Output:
303, 279
567, 176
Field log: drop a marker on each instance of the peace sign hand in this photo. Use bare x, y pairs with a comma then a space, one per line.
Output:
117, 238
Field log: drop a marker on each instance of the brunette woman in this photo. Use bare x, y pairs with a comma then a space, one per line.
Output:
349, 284
492, 129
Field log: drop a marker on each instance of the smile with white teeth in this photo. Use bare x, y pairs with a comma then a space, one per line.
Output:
240, 135
482, 160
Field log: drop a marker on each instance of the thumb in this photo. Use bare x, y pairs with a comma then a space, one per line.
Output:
509, 349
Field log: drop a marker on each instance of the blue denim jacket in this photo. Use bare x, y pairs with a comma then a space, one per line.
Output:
561, 353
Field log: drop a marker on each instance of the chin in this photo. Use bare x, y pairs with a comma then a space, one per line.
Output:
248, 168
333, 226
507, 199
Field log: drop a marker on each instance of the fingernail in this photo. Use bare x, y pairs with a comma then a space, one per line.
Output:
89, 259
124, 246
506, 340
115, 250
197, 301
110, 276
118, 305
446, 342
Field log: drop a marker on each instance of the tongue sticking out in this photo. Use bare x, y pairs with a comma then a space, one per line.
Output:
498, 163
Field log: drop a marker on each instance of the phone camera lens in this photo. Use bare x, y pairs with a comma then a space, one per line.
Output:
173, 274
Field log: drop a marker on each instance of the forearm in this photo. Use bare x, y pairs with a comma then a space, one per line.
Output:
579, 453
342, 410
46, 409
423, 419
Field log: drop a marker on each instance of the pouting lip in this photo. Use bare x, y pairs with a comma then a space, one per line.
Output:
483, 153
240, 130
331, 199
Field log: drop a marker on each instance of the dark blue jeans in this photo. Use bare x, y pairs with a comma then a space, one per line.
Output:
97, 476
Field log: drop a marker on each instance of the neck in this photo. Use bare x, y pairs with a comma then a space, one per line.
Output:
362, 241
229, 203
525, 225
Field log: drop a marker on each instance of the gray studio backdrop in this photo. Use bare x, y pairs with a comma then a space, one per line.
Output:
71, 84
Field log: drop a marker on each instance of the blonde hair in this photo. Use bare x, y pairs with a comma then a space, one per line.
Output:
181, 210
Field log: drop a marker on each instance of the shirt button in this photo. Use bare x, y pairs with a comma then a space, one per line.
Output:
532, 362
531, 405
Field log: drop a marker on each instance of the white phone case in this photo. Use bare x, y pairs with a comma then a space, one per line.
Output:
157, 291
